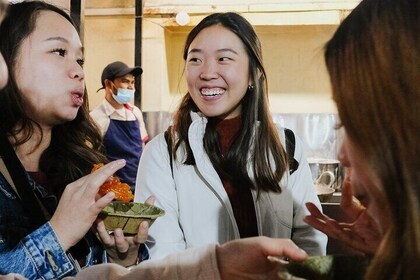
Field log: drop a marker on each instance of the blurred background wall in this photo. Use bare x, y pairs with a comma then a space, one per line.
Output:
292, 33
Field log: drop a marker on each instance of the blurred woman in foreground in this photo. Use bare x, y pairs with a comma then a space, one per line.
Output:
374, 63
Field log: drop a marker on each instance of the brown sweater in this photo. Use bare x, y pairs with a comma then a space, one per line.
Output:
240, 198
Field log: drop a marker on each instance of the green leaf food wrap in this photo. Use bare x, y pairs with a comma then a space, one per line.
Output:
329, 267
129, 215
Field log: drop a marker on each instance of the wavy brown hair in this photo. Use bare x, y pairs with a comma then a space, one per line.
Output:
374, 64
75, 144
257, 131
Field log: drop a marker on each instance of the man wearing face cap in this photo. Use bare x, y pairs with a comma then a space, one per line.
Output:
120, 122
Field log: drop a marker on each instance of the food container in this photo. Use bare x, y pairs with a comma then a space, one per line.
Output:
327, 172
325, 193
330, 267
129, 215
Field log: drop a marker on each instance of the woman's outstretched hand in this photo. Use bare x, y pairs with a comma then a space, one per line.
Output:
78, 207
123, 249
362, 234
249, 258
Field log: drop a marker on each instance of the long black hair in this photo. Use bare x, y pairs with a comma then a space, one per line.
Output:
374, 63
257, 131
75, 145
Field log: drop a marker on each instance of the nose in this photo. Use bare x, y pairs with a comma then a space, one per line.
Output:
209, 72
131, 85
77, 72
342, 153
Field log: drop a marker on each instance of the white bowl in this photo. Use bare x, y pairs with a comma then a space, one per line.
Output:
324, 192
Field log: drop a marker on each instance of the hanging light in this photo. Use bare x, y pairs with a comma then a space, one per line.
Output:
182, 18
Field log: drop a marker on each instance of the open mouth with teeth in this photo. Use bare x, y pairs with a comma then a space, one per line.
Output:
212, 92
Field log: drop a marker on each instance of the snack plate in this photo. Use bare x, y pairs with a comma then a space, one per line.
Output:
330, 267
129, 215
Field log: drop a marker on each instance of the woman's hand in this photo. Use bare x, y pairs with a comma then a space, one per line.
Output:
361, 234
12, 276
123, 249
78, 209
249, 258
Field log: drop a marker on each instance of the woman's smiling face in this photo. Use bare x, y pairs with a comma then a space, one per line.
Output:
217, 72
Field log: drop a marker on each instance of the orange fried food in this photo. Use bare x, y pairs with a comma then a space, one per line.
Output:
96, 167
122, 190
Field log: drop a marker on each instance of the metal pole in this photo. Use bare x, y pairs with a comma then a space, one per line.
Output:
77, 13
137, 49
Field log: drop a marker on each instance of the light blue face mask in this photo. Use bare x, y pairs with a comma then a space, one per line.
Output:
124, 95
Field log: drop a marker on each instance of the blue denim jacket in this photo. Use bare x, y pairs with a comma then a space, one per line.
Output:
36, 254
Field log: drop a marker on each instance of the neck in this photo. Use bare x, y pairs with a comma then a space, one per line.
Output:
29, 153
227, 130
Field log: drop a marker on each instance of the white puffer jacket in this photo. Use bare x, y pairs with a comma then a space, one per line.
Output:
198, 210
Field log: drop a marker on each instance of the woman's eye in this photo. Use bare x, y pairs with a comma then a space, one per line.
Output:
194, 59
60, 52
81, 62
224, 58
338, 126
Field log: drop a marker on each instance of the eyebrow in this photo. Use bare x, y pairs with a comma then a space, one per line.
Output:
61, 39
57, 38
219, 50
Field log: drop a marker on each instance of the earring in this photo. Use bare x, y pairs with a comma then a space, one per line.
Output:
250, 87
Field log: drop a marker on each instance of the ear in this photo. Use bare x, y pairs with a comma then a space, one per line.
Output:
252, 83
108, 84
259, 74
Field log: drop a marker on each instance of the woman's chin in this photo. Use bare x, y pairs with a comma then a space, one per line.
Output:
67, 117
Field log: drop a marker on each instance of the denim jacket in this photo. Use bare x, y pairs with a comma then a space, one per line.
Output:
37, 254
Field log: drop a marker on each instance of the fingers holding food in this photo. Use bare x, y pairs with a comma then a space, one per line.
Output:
113, 184
78, 200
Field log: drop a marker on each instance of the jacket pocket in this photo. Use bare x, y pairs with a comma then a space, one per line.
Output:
276, 209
